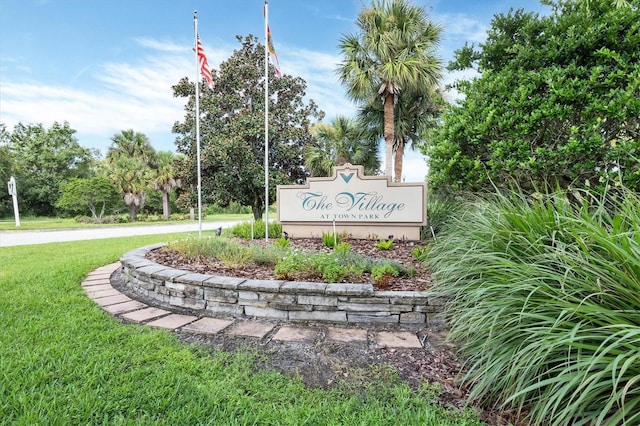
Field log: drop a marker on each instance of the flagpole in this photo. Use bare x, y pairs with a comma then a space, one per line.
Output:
195, 44
266, 120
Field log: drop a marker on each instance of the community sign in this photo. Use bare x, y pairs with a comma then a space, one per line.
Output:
348, 202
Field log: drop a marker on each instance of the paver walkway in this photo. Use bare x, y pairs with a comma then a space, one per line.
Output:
98, 287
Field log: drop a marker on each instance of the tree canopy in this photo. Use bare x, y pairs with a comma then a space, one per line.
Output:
232, 131
94, 194
557, 102
42, 161
131, 163
342, 141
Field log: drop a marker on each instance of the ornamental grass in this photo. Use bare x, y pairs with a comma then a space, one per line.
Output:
545, 304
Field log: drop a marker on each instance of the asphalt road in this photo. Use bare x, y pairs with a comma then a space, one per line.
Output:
21, 238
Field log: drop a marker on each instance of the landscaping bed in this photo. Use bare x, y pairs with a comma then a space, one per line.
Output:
401, 252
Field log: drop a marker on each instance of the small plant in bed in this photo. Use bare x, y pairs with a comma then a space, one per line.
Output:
385, 244
289, 263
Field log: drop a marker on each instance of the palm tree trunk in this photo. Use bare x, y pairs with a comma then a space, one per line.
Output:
388, 133
399, 156
166, 208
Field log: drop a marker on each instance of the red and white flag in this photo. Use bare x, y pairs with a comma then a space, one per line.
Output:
272, 54
270, 48
204, 64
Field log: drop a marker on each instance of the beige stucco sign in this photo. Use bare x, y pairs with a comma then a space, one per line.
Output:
363, 206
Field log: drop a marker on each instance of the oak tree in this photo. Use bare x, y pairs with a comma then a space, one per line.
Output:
232, 131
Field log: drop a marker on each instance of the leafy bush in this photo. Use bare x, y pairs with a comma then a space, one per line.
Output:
441, 207
384, 244
342, 249
235, 256
545, 296
232, 208
268, 255
330, 239
289, 264
179, 216
244, 230
295, 265
220, 248
281, 243
421, 253
382, 273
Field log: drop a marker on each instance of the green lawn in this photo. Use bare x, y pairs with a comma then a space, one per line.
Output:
37, 223
65, 361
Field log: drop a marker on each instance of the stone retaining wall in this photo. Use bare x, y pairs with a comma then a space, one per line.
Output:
214, 295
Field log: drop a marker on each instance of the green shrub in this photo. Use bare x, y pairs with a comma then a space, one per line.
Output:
268, 255
84, 219
337, 266
440, 209
232, 208
235, 256
342, 249
384, 244
295, 265
256, 230
179, 216
330, 239
421, 253
220, 248
382, 273
281, 243
545, 295
333, 267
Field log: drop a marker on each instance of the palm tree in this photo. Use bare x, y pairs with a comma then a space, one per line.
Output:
165, 179
130, 160
395, 51
415, 114
130, 144
132, 179
342, 141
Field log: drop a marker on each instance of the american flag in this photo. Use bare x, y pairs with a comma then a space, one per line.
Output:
204, 65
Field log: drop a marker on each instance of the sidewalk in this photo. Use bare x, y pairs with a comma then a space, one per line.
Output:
21, 238
98, 287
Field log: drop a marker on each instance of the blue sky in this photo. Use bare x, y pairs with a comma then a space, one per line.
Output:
108, 65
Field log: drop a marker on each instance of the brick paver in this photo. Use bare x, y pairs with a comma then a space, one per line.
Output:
97, 277
172, 321
98, 281
207, 325
96, 294
397, 339
98, 287
121, 308
145, 314
346, 335
111, 300
250, 329
296, 334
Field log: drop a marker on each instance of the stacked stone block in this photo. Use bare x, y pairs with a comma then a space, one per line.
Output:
222, 296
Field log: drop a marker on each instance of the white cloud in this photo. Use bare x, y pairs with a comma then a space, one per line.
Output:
159, 45
460, 27
134, 95
137, 94
319, 71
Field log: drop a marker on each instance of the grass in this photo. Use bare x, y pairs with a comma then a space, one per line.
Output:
38, 223
546, 304
65, 361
